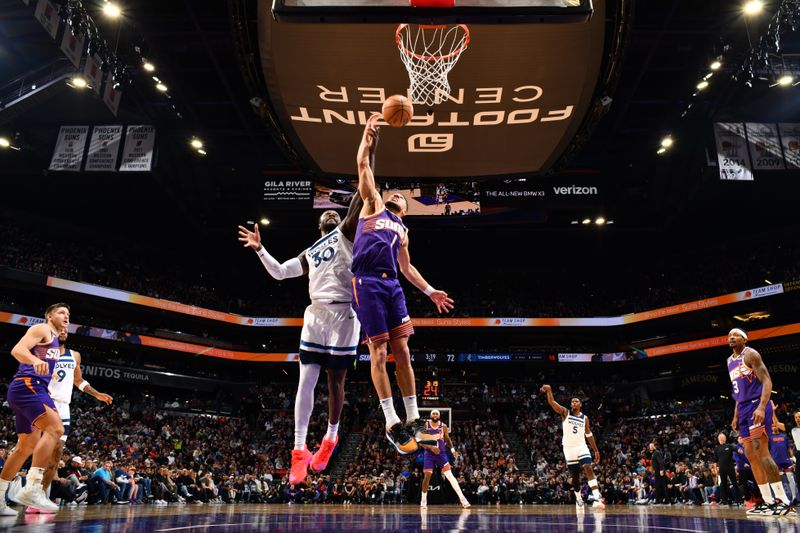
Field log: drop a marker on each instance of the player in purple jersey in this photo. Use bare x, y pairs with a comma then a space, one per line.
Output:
752, 418
379, 250
38, 424
435, 455
781, 451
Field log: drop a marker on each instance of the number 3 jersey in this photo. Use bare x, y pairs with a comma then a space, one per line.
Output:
745, 383
329, 261
61, 383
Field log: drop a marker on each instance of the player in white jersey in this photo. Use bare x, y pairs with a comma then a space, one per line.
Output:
330, 328
576, 432
66, 374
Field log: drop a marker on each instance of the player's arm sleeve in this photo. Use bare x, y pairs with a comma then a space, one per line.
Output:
292, 268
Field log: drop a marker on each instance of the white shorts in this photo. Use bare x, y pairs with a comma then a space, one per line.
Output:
330, 335
577, 454
62, 408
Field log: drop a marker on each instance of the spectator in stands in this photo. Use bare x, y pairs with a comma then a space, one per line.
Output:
102, 485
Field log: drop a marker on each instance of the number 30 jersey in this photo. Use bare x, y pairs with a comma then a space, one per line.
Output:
329, 262
60, 387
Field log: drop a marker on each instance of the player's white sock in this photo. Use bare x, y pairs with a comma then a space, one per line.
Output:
766, 494
3, 487
424, 499
333, 430
578, 496
412, 413
387, 404
778, 490
595, 489
304, 403
454, 483
34, 477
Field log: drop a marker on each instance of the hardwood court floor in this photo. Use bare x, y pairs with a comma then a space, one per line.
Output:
329, 518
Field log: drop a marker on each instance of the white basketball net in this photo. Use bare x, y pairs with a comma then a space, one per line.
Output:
429, 53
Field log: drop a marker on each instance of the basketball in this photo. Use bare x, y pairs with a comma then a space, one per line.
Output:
397, 110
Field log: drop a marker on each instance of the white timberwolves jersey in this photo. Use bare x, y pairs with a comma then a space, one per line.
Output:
574, 430
329, 262
60, 387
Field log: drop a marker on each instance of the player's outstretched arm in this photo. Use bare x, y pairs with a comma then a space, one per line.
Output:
22, 350
293, 268
350, 222
83, 385
560, 409
753, 360
440, 298
592, 441
366, 177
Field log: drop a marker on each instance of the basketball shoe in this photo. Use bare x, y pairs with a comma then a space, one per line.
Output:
402, 438
300, 462
320, 460
779, 508
34, 497
762, 509
417, 428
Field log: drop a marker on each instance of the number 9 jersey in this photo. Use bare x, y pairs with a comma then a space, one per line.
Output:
329, 262
61, 383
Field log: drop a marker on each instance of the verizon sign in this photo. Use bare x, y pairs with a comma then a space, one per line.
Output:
532, 193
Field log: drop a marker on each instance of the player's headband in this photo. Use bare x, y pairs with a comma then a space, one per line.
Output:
740, 332
436, 411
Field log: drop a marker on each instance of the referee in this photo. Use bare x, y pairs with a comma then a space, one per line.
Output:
728, 487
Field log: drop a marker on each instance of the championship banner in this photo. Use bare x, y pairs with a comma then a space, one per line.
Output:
286, 191
103, 149
732, 154
764, 144
111, 96
68, 153
72, 46
137, 156
93, 73
167, 305
790, 139
47, 14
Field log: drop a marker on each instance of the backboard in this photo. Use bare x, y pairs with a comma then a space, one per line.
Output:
518, 94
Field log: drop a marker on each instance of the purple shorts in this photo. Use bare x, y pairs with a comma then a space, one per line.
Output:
28, 397
380, 306
747, 430
431, 460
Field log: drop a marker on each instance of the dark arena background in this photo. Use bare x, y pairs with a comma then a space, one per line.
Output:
607, 189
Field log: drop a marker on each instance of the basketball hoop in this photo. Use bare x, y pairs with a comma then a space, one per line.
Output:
429, 53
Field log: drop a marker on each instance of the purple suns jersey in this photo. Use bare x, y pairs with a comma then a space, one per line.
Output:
745, 383
377, 243
435, 432
45, 352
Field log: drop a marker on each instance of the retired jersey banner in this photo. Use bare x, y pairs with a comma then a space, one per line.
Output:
732, 154
68, 154
47, 14
93, 73
137, 156
765, 146
103, 149
72, 46
790, 139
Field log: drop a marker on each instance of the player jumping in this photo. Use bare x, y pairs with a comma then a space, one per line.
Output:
380, 250
436, 455
752, 418
576, 432
330, 334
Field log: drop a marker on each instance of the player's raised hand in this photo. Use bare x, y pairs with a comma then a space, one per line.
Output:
443, 302
545, 388
372, 131
251, 239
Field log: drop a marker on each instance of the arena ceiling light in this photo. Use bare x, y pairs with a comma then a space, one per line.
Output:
161, 87
112, 10
4, 142
148, 66
753, 7
196, 143
600, 221
264, 221
661, 151
716, 65
586, 221
78, 83
667, 141
702, 85
785, 81
202, 152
